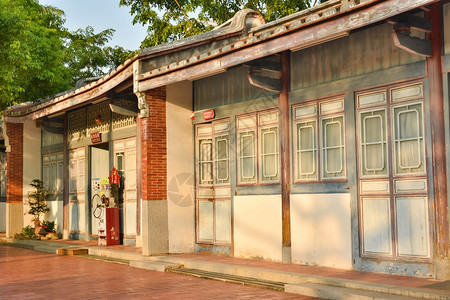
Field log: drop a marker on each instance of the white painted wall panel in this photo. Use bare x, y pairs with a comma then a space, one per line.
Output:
257, 227
321, 230
180, 168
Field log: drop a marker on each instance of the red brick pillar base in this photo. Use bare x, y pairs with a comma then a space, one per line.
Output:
155, 236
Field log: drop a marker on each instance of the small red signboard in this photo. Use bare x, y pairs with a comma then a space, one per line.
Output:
96, 137
208, 114
114, 178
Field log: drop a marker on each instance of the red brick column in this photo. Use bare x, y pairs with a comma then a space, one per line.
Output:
154, 147
14, 193
155, 231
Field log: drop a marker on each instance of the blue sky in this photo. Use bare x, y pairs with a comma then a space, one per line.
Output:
101, 15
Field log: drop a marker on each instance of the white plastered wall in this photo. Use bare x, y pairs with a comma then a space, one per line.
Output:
56, 214
321, 230
31, 161
257, 227
180, 168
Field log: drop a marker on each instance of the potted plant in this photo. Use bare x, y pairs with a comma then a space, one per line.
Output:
37, 201
51, 229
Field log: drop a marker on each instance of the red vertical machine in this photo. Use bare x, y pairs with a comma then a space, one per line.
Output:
105, 211
108, 229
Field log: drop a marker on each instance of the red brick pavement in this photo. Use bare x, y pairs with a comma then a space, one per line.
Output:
27, 274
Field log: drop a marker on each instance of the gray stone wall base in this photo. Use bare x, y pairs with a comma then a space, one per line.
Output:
155, 227
442, 268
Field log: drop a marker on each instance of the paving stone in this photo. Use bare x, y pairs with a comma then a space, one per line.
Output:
38, 275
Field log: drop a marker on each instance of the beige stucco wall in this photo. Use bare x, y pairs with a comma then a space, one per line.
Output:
180, 168
31, 161
257, 227
321, 230
14, 225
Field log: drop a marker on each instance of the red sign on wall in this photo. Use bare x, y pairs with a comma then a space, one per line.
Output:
208, 114
96, 137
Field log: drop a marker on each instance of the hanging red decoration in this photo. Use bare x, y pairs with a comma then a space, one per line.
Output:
114, 178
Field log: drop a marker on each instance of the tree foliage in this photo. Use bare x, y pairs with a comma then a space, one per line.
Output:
31, 54
170, 20
88, 54
39, 57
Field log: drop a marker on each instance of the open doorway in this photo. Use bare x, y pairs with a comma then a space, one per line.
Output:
99, 169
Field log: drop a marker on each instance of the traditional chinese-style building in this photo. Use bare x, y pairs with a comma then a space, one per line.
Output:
320, 138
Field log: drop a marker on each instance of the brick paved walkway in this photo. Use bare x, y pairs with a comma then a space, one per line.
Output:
27, 274
405, 281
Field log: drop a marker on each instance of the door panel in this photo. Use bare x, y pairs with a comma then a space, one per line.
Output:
392, 173
377, 238
412, 223
213, 183
223, 217
206, 221
125, 162
77, 193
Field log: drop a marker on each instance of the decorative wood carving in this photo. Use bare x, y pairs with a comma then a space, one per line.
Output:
142, 105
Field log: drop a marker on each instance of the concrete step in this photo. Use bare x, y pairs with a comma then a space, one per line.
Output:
34, 243
130, 256
311, 281
272, 285
24, 246
46, 249
338, 293
154, 265
106, 259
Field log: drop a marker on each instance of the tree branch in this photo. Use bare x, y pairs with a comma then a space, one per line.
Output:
242, 4
187, 20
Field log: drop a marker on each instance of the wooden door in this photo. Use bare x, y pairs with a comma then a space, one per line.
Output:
213, 193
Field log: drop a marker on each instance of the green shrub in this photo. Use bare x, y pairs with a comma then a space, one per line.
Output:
49, 225
28, 231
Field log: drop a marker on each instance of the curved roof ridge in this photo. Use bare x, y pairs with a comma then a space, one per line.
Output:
243, 20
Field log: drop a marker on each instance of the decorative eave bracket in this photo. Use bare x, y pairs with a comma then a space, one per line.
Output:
401, 35
143, 105
144, 110
265, 73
